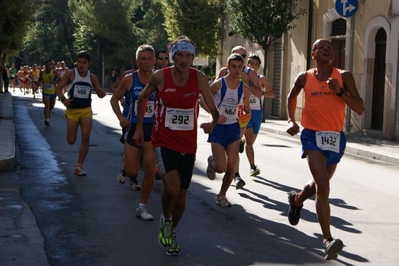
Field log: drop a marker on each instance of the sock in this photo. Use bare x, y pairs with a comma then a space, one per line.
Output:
167, 219
296, 202
253, 167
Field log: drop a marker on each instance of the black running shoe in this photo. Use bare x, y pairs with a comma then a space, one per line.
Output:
294, 213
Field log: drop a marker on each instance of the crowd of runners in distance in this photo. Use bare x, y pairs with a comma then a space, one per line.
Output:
28, 77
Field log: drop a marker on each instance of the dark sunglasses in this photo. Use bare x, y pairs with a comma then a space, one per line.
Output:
243, 55
163, 58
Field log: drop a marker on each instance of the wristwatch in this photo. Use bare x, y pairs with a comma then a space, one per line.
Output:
341, 92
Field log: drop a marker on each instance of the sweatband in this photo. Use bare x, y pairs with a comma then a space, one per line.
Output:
183, 46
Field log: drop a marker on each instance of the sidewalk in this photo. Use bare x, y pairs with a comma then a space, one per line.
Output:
21, 241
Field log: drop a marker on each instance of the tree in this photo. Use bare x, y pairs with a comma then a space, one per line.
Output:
50, 35
14, 22
200, 20
263, 21
110, 20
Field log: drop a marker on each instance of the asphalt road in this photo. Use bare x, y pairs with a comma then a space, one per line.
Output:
90, 220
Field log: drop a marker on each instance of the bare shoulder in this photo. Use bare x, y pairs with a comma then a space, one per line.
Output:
201, 75
300, 80
222, 72
345, 73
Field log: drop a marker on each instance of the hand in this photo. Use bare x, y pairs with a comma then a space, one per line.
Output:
222, 119
138, 137
67, 102
124, 122
101, 94
293, 128
207, 127
333, 85
122, 101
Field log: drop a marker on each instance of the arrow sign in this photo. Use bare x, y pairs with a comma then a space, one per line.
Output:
346, 8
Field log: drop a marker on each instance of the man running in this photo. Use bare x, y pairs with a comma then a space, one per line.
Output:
47, 77
130, 87
256, 104
250, 78
174, 134
327, 91
78, 105
228, 92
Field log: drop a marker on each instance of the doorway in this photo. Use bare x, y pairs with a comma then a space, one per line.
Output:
377, 113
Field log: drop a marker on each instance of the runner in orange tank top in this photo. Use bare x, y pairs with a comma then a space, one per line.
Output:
327, 91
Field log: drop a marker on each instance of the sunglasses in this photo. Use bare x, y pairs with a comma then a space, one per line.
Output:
163, 58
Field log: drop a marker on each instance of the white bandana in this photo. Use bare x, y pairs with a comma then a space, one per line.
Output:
183, 46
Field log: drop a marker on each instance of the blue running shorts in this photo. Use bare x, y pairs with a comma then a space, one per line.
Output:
225, 134
308, 140
256, 120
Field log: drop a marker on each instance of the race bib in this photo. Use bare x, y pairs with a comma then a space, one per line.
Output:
328, 140
13, 75
35, 79
149, 110
229, 110
48, 87
254, 102
81, 91
179, 119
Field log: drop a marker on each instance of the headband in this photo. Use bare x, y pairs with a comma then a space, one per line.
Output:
183, 46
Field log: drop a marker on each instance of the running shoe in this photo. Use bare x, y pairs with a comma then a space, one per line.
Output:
242, 143
133, 183
254, 171
121, 176
294, 213
239, 183
143, 214
209, 171
174, 249
79, 170
47, 123
332, 248
165, 232
222, 201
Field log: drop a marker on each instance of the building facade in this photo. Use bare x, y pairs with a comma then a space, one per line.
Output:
366, 43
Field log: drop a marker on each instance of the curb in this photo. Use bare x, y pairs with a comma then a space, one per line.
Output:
7, 132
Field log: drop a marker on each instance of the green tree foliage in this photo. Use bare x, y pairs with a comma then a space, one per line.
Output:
263, 21
200, 20
14, 22
110, 20
151, 22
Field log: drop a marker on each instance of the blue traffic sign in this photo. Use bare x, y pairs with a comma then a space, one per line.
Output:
346, 8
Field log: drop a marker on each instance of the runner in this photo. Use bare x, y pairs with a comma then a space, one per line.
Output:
227, 93
47, 77
327, 91
78, 105
34, 76
12, 75
256, 104
130, 87
250, 78
174, 134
